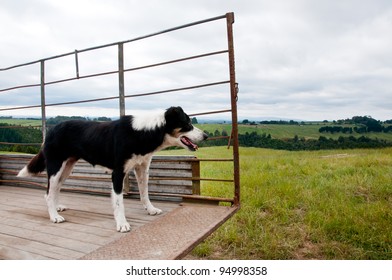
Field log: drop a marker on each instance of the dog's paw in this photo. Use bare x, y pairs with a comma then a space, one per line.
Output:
57, 219
124, 227
61, 208
154, 211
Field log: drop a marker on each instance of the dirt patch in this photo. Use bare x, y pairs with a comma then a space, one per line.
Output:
338, 156
309, 251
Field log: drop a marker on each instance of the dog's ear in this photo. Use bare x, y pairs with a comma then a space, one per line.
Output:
175, 117
174, 113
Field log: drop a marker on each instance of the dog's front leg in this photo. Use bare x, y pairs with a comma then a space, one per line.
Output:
141, 173
117, 201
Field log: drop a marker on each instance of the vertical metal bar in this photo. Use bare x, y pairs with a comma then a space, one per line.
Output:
43, 104
121, 78
77, 63
234, 117
121, 93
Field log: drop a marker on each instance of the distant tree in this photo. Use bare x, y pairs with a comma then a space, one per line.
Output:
103, 119
388, 129
194, 120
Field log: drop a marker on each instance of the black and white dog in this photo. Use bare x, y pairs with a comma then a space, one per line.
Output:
121, 145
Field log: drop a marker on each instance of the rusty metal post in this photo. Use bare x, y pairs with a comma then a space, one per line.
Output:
234, 116
43, 104
121, 78
77, 64
121, 91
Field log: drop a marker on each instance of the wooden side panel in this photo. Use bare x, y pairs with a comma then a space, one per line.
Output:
168, 175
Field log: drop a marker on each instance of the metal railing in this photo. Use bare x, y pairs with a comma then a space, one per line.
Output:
231, 81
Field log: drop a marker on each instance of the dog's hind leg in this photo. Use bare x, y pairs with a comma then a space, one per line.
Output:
117, 201
141, 173
55, 182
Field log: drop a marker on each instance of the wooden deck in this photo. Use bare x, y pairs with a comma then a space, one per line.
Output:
89, 231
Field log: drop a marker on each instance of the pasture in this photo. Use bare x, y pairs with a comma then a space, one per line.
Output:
329, 204
309, 130
286, 131
333, 204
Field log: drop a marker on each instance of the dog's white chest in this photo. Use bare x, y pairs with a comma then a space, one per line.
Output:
137, 160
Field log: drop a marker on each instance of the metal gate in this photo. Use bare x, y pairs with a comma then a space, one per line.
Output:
122, 96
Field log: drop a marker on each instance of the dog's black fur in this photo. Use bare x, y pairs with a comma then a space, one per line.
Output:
112, 145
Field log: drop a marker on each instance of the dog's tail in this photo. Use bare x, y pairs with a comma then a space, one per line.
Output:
36, 165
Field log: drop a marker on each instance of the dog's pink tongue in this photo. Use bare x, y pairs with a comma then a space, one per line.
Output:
189, 143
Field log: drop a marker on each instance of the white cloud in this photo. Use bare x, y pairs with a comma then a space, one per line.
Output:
294, 59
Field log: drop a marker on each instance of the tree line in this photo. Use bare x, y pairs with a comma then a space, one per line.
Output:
363, 124
322, 143
22, 134
59, 119
296, 143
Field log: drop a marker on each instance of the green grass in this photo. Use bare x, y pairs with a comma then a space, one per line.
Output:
303, 205
308, 131
22, 122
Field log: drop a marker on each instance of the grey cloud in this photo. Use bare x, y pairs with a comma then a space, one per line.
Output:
295, 59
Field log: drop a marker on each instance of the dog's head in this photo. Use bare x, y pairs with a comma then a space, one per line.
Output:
180, 131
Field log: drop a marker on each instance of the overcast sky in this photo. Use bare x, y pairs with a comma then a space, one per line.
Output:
295, 59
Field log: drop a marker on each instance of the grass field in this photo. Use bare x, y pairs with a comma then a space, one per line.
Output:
303, 205
278, 131
23, 122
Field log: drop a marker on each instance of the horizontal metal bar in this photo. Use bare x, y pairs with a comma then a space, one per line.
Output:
78, 77
116, 97
192, 159
156, 179
217, 138
156, 33
19, 126
176, 60
20, 65
116, 43
190, 179
177, 89
19, 108
210, 113
21, 144
189, 196
19, 87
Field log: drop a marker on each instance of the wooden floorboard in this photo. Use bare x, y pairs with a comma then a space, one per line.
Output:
27, 233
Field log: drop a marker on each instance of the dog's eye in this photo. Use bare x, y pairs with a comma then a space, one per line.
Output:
187, 127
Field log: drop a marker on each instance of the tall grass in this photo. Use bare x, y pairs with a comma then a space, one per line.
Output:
304, 205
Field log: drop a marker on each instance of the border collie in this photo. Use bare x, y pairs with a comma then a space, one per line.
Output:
122, 145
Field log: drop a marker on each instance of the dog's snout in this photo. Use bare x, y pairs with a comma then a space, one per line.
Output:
205, 136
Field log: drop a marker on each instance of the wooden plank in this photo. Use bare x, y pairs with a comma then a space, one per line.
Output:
86, 206
85, 176
54, 240
11, 249
27, 233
